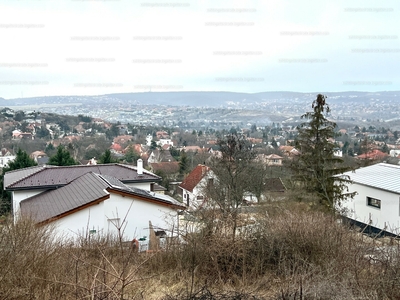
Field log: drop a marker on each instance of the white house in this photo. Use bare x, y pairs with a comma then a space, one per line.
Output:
95, 199
5, 158
193, 186
337, 152
394, 152
377, 202
163, 142
274, 160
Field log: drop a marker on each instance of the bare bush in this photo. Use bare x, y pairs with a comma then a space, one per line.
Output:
279, 252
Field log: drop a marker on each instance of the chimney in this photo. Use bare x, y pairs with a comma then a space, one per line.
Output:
140, 166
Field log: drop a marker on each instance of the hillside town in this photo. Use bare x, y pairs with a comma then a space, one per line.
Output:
154, 188
87, 138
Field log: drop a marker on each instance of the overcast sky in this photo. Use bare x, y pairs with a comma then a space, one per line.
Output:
94, 47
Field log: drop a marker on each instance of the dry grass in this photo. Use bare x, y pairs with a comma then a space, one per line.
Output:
288, 253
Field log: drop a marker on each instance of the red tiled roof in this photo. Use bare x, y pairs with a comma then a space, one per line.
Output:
166, 146
274, 156
116, 147
374, 154
192, 148
194, 177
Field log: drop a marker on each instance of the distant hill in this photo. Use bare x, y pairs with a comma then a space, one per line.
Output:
198, 99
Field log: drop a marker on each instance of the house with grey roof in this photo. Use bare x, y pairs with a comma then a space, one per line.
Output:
95, 199
376, 205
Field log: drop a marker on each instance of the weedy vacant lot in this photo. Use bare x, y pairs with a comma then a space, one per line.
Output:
288, 252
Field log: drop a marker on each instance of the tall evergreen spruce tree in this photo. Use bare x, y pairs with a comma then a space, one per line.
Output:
62, 158
107, 158
316, 167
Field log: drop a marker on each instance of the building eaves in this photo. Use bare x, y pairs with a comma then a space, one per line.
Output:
20, 174
194, 177
381, 176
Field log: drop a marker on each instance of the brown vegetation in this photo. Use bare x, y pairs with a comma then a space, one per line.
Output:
288, 252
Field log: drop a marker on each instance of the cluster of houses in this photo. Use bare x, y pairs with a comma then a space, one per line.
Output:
84, 200
94, 198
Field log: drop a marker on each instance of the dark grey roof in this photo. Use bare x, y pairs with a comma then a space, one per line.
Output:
382, 176
14, 176
114, 182
47, 176
82, 191
85, 189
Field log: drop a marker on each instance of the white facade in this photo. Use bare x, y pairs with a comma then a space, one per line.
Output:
163, 142
394, 153
149, 138
377, 199
4, 160
18, 196
364, 208
195, 199
338, 153
132, 215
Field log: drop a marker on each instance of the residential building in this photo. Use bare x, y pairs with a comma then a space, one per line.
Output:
377, 199
274, 160
157, 156
163, 142
92, 199
5, 157
193, 185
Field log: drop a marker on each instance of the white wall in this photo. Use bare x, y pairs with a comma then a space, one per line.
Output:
388, 214
18, 196
137, 214
4, 160
81, 222
140, 185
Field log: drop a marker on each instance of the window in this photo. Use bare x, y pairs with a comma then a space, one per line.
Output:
210, 182
373, 202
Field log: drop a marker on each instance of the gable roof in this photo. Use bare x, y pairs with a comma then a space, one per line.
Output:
170, 167
162, 155
84, 191
194, 177
47, 205
273, 156
55, 176
374, 154
381, 176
